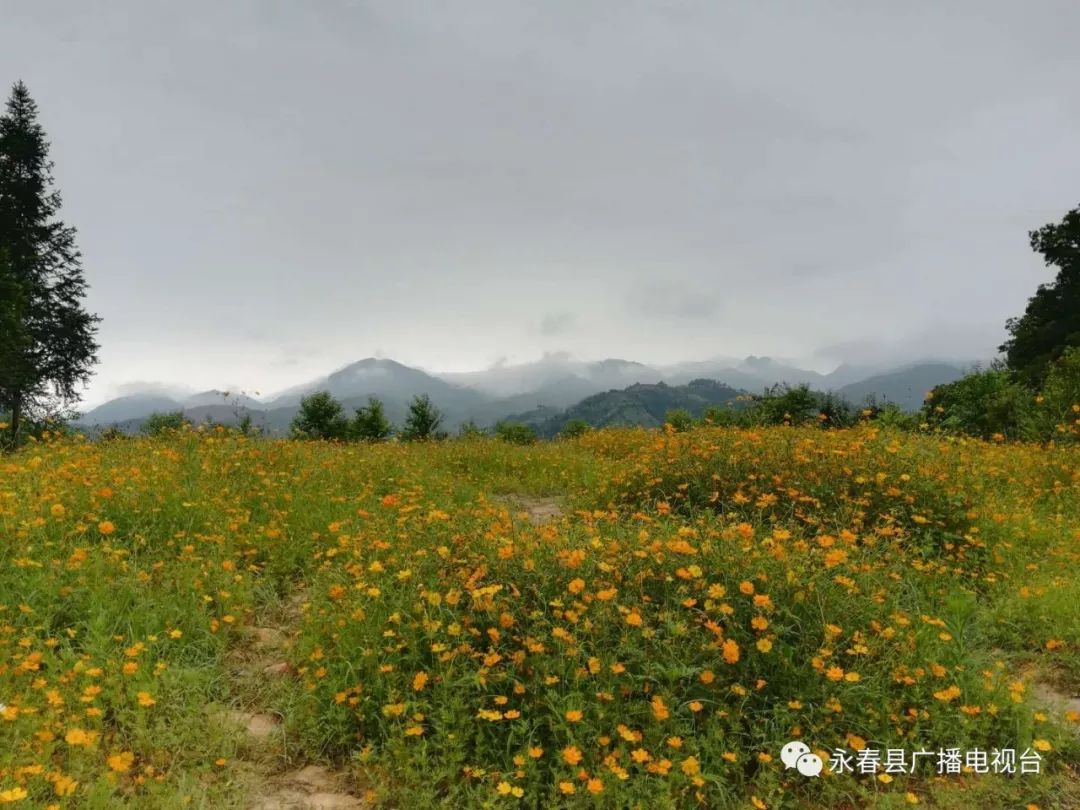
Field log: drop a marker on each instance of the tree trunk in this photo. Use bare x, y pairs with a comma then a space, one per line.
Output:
16, 418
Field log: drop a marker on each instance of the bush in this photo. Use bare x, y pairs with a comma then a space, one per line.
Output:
1057, 408
112, 434
722, 416
370, 423
516, 432
680, 419
423, 421
157, 424
782, 404
471, 430
985, 404
575, 428
893, 416
320, 417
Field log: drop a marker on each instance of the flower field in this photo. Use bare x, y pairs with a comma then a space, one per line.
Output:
693, 602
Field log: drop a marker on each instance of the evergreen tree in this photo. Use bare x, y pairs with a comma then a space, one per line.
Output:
1051, 322
423, 421
370, 423
320, 417
47, 339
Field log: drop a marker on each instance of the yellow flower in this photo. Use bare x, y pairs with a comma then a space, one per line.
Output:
764, 645
145, 700
419, 681
121, 763
78, 736
574, 716
595, 786
856, 742
690, 766
567, 788
1042, 745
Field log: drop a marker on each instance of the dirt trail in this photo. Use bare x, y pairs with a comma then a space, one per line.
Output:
1058, 703
254, 665
540, 511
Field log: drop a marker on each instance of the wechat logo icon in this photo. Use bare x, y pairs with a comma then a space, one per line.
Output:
798, 755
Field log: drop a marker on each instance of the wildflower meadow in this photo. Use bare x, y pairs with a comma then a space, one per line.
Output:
629, 619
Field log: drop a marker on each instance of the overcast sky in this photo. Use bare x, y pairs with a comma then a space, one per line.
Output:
265, 190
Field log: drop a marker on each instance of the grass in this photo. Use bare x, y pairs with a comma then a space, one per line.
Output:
706, 598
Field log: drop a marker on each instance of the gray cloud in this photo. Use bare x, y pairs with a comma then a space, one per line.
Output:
686, 298
436, 180
557, 323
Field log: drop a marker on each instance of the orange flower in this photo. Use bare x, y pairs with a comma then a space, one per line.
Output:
571, 755
106, 527
659, 710
731, 651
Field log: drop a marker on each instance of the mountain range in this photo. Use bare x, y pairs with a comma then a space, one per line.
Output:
551, 385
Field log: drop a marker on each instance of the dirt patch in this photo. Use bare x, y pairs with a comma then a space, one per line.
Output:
1058, 702
310, 788
264, 638
257, 725
539, 511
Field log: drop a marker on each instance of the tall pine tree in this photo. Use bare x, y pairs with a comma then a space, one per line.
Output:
47, 339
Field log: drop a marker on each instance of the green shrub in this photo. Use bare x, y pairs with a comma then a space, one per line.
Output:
723, 416
516, 432
985, 403
680, 419
893, 416
470, 430
1057, 408
157, 424
575, 428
